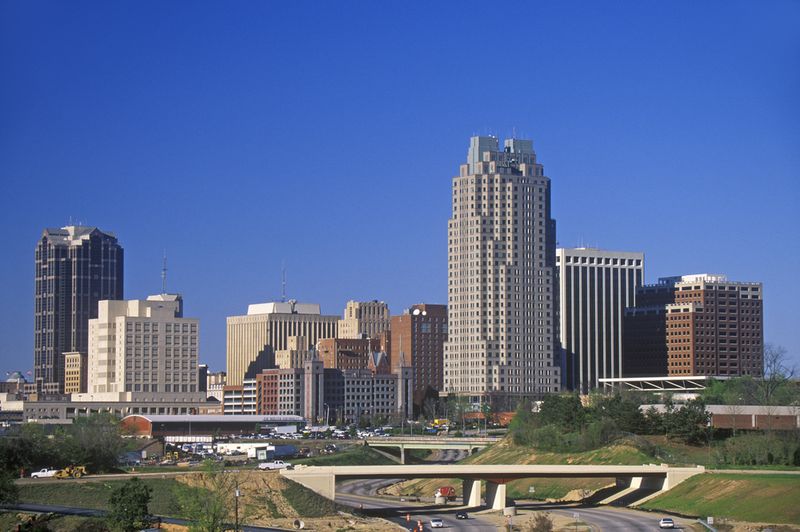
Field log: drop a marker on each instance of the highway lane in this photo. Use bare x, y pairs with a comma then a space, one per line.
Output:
396, 512
607, 518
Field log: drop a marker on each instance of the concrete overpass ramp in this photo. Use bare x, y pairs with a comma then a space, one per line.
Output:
658, 478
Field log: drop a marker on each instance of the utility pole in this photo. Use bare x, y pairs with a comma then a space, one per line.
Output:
236, 506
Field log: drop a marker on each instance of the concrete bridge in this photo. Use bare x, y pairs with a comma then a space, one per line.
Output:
433, 442
654, 478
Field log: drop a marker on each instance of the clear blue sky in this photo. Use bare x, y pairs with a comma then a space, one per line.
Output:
325, 135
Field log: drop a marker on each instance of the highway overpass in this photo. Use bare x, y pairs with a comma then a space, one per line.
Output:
657, 478
432, 443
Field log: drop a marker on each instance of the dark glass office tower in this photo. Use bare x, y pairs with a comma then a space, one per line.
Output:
76, 266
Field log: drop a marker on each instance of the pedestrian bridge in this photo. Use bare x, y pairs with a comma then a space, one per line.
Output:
655, 478
469, 445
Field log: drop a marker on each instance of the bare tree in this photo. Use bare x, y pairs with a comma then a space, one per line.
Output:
774, 387
540, 522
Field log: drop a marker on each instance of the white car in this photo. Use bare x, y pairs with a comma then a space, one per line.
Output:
44, 473
437, 523
666, 523
275, 464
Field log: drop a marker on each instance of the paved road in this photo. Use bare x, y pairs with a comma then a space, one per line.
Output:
607, 518
88, 512
396, 512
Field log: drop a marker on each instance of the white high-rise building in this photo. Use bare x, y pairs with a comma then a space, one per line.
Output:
595, 287
501, 277
142, 348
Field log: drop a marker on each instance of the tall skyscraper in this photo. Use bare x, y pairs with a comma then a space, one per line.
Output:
76, 266
711, 326
595, 287
501, 277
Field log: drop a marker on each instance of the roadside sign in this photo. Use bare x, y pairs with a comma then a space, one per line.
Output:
532, 489
710, 520
576, 516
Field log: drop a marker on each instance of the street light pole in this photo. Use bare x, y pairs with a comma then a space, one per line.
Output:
236, 506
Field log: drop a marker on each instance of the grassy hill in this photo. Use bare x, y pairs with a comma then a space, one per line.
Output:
741, 497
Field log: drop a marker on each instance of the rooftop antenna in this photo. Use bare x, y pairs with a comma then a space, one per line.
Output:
164, 273
283, 282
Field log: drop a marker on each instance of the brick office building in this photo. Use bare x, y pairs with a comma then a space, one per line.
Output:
709, 326
418, 337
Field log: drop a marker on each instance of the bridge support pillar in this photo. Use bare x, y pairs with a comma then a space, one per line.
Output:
495, 495
472, 492
402, 454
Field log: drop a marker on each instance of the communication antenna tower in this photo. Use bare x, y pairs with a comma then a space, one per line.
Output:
283, 282
164, 273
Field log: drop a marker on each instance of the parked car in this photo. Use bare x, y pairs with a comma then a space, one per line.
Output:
462, 515
437, 523
45, 473
666, 522
275, 464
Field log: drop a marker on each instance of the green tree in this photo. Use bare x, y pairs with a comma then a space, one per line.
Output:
9, 492
128, 506
688, 423
94, 441
565, 411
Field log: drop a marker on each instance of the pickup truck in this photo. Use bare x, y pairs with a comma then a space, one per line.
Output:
44, 473
275, 464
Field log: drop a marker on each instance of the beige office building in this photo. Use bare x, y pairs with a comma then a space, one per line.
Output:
364, 319
254, 339
502, 324
74, 372
142, 348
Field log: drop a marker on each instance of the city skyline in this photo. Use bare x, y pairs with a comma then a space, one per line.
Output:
682, 147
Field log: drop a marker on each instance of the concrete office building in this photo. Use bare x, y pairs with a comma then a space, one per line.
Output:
74, 373
76, 266
214, 383
502, 325
595, 287
360, 394
296, 353
142, 348
364, 319
418, 337
254, 339
710, 327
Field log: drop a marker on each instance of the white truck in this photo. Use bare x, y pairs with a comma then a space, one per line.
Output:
275, 464
44, 473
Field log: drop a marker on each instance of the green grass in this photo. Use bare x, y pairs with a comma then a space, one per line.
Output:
95, 495
359, 455
741, 497
54, 523
307, 503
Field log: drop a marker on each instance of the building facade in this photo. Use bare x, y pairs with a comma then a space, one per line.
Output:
74, 373
715, 327
595, 287
502, 326
76, 266
364, 319
253, 340
710, 327
418, 338
143, 347
348, 353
